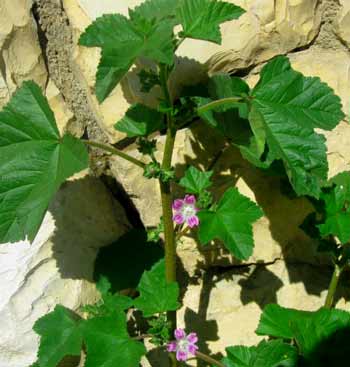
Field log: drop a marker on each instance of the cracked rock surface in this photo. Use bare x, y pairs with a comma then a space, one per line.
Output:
222, 298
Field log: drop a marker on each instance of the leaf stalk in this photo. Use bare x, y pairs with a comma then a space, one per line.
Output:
109, 148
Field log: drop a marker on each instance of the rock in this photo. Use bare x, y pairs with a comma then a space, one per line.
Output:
342, 22
267, 29
224, 308
57, 267
20, 51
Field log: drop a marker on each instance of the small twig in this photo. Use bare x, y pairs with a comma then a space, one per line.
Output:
109, 148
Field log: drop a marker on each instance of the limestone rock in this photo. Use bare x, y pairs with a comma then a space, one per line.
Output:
19, 48
57, 267
342, 23
224, 308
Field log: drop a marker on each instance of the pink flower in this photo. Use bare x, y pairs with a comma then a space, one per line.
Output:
184, 345
185, 211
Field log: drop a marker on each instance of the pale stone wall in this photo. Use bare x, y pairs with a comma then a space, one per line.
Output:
223, 308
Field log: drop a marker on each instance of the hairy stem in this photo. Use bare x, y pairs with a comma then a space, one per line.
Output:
166, 197
109, 148
333, 286
209, 359
218, 103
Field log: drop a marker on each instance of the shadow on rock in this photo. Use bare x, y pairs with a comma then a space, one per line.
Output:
86, 218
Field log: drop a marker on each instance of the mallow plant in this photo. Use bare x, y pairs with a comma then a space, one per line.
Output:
277, 124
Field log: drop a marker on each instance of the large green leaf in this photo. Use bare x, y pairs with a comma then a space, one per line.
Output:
290, 106
123, 41
201, 19
34, 162
109, 303
140, 120
231, 222
308, 328
337, 208
276, 321
156, 294
60, 332
273, 353
109, 344
195, 181
156, 9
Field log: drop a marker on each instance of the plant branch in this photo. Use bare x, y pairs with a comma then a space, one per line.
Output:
182, 233
209, 359
218, 103
166, 197
333, 286
109, 148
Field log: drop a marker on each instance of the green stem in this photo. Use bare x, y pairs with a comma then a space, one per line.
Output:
166, 197
182, 233
209, 359
169, 233
333, 286
109, 148
218, 103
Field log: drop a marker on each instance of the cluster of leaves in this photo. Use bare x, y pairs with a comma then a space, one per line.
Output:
329, 224
104, 333
299, 338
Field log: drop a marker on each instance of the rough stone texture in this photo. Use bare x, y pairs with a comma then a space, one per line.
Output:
57, 267
225, 307
20, 53
342, 22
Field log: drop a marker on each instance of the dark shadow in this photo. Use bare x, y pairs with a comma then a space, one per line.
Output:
332, 351
124, 261
261, 287
86, 218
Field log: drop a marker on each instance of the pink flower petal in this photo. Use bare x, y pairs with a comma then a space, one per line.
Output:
179, 334
192, 338
190, 199
171, 347
181, 355
192, 348
193, 221
178, 218
178, 204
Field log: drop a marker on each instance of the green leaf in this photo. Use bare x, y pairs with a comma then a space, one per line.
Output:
195, 181
108, 343
231, 118
276, 321
156, 294
119, 264
123, 41
273, 353
337, 208
140, 120
231, 222
291, 106
155, 9
34, 162
308, 328
201, 19
60, 333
